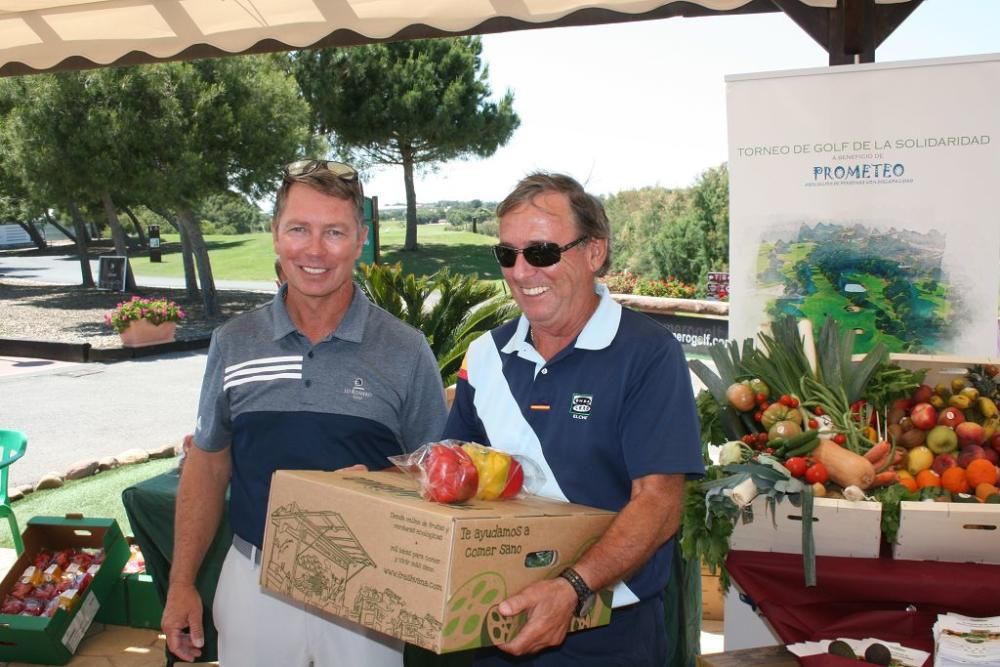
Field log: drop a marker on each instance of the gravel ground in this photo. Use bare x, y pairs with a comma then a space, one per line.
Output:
72, 314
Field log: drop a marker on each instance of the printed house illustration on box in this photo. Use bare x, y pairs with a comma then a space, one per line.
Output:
316, 554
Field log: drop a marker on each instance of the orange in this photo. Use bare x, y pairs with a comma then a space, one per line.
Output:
909, 483
954, 480
927, 478
981, 471
984, 491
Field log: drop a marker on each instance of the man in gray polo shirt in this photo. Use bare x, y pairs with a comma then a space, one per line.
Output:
318, 379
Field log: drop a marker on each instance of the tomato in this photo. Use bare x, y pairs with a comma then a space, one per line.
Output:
740, 396
819, 410
785, 400
451, 475
761, 397
817, 473
840, 438
783, 429
797, 465
777, 412
515, 480
813, 423
760, 387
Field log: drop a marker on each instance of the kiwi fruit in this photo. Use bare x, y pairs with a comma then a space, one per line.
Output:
842, 649
878, 654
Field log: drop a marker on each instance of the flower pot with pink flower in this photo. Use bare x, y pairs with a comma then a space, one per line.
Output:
141, 321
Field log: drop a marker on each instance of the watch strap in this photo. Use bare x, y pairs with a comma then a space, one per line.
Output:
583, 591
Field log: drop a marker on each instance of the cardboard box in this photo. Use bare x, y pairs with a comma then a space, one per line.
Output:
114, 608
840, 528
712, 598
133, 601
144, 606
367, 547
952, 532
53, 641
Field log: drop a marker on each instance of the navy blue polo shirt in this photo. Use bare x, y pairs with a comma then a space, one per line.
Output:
369, 390
614, 406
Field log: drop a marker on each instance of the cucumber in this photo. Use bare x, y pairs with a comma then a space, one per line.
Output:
803, 449
800, 444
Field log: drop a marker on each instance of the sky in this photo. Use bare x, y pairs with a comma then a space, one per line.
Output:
626, 106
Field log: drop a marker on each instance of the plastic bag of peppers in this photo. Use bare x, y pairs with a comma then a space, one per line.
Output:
452, 471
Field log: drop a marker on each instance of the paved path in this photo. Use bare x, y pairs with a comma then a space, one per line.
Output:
65, 270
72, 412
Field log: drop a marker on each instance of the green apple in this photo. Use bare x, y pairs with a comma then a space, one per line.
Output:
942, 439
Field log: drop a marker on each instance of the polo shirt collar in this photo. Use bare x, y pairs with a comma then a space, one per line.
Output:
351, 328
597, 333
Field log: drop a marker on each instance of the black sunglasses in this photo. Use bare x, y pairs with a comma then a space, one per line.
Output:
344, 172
536, 254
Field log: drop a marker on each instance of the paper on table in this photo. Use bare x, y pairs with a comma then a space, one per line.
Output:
902, 656
964, 640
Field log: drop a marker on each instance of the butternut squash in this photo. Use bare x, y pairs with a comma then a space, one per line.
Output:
844, 466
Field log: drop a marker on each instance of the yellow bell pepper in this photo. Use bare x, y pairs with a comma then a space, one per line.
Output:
493, 467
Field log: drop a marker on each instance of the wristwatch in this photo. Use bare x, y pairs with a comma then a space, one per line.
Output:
585, 596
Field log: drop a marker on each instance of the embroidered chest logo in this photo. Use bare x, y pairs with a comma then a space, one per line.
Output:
357, 391
581, 405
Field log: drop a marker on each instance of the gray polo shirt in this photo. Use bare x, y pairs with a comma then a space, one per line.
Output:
369, 390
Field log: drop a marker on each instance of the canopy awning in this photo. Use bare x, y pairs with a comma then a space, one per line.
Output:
44, 35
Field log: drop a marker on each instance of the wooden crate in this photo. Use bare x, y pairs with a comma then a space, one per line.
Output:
953, 532
840, 528
712, 601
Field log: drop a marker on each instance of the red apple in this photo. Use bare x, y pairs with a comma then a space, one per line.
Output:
970, 433
995, 441
968, 454
923, 393
991, 455
942, 462
924, 416
905, 404
950, 417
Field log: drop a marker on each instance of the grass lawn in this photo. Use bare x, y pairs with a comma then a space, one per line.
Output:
99, 496
251, 256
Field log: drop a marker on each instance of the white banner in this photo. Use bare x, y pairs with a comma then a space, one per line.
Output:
870, 193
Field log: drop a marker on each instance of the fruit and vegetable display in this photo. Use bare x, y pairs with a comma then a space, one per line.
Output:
55, 580
452, 471
798, 419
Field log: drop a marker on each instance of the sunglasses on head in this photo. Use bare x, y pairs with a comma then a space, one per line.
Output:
344, 172
537, 254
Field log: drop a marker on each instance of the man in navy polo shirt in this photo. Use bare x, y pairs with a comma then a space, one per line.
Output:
318, 379
600, 397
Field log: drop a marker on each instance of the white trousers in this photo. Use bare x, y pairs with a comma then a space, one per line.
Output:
259, 628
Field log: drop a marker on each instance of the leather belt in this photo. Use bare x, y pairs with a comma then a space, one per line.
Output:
250, 551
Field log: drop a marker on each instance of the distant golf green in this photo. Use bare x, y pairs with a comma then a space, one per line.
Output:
251, 256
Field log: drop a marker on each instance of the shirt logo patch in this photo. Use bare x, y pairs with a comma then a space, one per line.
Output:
581, 405
357, 391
